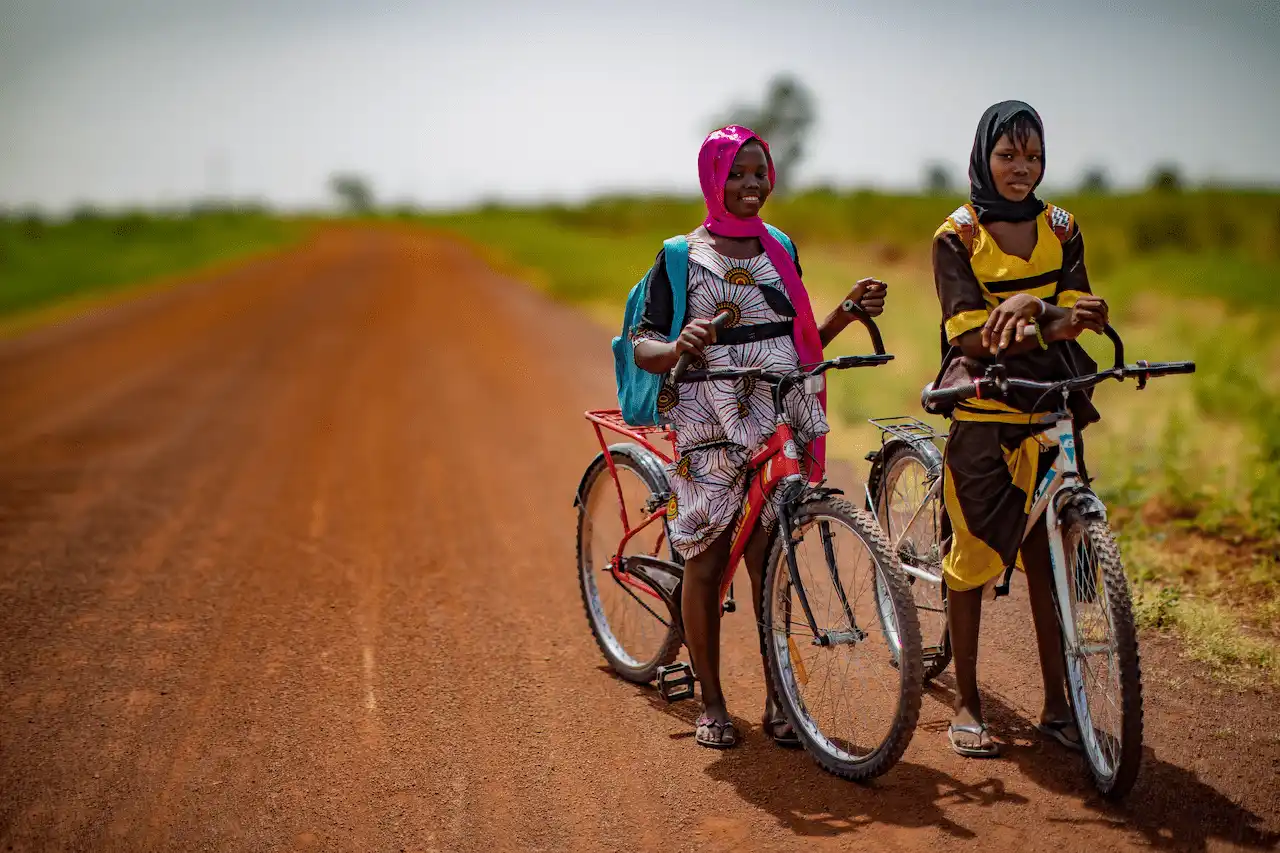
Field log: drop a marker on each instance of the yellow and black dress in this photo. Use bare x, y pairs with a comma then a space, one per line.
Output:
993, 459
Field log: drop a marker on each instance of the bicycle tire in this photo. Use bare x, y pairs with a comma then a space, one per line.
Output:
781, 672
893, 467
1113, 783
643, 670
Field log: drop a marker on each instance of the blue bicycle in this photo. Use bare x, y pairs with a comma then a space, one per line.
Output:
1091, 592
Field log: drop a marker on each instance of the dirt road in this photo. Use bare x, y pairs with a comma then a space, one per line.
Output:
286, 563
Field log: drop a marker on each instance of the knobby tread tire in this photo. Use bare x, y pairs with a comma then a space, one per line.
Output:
598, 476
911, 681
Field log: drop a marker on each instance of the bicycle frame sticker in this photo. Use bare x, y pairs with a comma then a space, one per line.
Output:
1043, 488
1064, 435
1068, 445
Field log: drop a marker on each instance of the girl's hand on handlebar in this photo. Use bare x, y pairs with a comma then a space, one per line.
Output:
1010, 318
869, 294
1090, 312
695, 337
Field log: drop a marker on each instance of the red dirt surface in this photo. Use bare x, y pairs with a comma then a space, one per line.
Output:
287, 563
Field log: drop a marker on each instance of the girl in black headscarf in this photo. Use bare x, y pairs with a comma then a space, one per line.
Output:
1010, 275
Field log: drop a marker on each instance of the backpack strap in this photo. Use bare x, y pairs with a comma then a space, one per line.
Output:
1061, 221
964, 222
783, 239
676, 254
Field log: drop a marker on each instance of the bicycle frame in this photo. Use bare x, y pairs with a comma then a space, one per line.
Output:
775, 463
1063, 477
611, 419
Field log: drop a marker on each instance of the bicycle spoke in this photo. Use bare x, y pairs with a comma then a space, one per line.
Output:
634, 628
1096, 656
846, 682
910, 518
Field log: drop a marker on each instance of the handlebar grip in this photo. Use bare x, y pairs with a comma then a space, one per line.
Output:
860, 314
1169, 368
932, 397
682, 365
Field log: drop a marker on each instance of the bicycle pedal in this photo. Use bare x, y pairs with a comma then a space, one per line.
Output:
675, 681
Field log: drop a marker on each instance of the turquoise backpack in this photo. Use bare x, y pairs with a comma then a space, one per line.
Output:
638, 388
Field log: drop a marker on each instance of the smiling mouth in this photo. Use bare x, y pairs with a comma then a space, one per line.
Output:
750, 199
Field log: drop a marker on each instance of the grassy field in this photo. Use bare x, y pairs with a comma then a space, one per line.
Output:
1190, 466
47, 266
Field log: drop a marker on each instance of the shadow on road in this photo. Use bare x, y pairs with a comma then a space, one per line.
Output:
1170, 808
807, 800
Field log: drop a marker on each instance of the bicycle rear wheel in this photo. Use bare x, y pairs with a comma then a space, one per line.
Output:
631, 626
911, 517
1104, 675
853, 709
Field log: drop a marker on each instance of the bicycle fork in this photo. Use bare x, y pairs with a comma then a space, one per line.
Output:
820, 637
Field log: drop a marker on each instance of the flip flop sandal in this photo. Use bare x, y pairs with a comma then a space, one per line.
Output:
1055, 731
991, 750
791, 740
725, 733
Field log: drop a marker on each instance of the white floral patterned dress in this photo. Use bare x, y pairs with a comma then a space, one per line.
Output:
720, 424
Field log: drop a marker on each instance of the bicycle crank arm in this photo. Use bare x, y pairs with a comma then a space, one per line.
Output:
921, 574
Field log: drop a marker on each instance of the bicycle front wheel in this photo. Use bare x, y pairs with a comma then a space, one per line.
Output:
1104, 675
854, 710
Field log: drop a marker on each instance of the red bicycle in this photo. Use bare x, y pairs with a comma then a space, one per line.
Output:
835, 605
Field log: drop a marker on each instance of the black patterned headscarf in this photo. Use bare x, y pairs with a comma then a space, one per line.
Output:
986, 199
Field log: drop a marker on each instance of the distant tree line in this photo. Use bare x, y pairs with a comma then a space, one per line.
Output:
1165, 177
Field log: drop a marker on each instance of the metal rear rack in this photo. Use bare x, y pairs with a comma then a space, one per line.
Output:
907, 428
611, 419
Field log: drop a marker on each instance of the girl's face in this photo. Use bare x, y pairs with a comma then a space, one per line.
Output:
1016, 167
748, 183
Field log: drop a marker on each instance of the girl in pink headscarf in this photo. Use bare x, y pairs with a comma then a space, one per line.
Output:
735, 265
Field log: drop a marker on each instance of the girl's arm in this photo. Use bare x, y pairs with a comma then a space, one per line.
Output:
1010, 326
650, 347
869, 293
660, 356
964, 309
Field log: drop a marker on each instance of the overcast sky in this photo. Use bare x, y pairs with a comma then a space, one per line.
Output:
444, 103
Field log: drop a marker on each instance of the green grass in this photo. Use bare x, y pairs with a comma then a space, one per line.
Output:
1191, 459
45, 264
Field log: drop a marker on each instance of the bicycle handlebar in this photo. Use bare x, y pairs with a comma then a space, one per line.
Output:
682, 365
842, 363
860, 314
995, 383
1117, 344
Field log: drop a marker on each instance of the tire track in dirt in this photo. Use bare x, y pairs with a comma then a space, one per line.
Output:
287, 563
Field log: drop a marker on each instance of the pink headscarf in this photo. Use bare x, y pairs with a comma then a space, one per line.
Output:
715, 161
